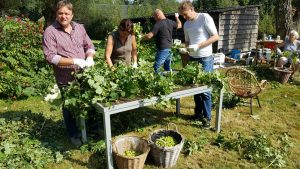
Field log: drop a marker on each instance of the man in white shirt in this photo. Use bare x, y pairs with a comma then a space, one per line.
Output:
200, 32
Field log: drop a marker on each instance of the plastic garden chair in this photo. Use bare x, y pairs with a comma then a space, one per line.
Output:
244, 84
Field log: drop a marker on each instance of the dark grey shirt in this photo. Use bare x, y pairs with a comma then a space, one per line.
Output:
162, 31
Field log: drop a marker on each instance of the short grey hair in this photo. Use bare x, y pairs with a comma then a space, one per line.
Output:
295, 33
64, 3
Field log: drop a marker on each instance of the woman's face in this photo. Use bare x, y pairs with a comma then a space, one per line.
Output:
292, 37
124, 33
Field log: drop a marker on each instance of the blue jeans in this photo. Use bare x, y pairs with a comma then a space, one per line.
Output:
163, 56
203, 104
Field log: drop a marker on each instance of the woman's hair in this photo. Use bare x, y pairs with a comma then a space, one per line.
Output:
64, 3
126, 25
295, 33
186, 5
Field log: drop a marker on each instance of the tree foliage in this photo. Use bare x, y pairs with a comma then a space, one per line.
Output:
99, 22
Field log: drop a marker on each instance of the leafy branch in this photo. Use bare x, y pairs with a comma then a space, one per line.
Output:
101, 85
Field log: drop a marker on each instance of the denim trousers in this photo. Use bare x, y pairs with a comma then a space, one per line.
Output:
71, 122
163, 56
203, 101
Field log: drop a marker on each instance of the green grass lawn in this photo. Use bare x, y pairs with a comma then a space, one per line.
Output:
280, 113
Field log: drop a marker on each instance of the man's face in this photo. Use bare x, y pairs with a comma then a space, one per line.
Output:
64, 16
187, 14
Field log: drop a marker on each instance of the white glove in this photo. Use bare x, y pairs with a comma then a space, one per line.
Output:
183, 51
80, 62
90, 61
192, 49
134, 65
177, 42
176, 15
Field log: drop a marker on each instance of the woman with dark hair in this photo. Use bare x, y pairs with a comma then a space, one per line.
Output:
121, 45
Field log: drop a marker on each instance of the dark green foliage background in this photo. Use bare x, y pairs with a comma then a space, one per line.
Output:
23, 70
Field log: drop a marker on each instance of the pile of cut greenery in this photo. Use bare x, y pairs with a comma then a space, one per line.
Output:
258, 149
20, 147
101, 84
166, 141
131, 153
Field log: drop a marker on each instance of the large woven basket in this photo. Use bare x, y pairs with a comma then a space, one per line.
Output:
130, 143
165, 156
282, 75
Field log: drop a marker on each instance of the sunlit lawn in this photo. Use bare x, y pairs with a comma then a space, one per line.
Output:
280, 113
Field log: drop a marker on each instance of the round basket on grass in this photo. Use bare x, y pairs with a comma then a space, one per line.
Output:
138, 149
282, 75
166, 156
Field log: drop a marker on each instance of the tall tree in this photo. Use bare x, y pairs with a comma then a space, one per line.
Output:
283, 15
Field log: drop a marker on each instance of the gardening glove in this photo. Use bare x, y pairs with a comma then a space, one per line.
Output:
134, 65
176, 15
192, 49
90, 61
183, 51
80, 62
177, 42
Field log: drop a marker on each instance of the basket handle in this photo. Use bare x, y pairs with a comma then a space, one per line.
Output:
114, 145
168, 126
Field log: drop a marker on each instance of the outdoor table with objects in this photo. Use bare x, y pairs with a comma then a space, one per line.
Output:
118, 108
262, 46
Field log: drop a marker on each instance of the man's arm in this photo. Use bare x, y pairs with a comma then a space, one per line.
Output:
148, 36
179, 24
50, 51
209, 41
88, 45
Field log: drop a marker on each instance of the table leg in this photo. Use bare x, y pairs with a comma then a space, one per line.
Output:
83, 130
219, 112
177, 106
108, 141
256, 56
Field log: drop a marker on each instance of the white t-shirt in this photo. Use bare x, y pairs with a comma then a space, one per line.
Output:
199, 30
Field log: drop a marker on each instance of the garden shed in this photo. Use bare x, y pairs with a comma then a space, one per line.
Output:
237, 27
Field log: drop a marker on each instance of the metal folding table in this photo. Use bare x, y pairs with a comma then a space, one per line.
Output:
114, 109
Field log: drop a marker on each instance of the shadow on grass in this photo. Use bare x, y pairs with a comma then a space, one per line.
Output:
138, 119
97, 161
51, 133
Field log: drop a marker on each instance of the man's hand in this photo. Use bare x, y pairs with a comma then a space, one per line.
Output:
80, 62
193, 48
134, 65
176, 15
90, 61
183, 51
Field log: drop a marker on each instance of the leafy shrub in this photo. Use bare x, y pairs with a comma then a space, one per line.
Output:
23, 69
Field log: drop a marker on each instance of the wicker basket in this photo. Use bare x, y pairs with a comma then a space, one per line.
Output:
130, 143
282, 75
165, 156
